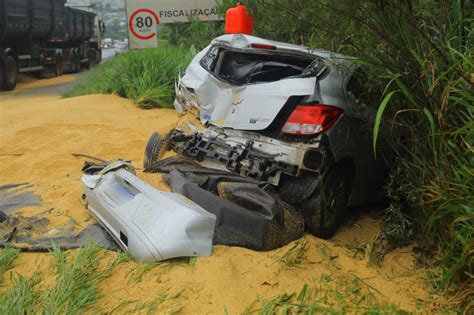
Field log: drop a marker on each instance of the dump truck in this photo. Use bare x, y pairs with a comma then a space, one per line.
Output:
46, 38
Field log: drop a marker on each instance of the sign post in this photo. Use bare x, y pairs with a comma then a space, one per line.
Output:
144, 16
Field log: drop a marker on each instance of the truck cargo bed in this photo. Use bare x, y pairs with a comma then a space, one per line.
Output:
32, 19
48, 20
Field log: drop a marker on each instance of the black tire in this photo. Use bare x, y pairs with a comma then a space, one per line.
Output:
90, 63
98, 56
77, 63
325, 209
59, 66
68, 63
295, 190
2, 74
52, 71
156, 147
92, 58
9, 74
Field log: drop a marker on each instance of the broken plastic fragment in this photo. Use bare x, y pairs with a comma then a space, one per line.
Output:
151, 225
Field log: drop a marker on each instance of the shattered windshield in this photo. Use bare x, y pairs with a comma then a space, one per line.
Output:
253, 66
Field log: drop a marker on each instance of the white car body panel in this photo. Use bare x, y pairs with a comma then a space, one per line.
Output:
229, 106
234, 106
151, 225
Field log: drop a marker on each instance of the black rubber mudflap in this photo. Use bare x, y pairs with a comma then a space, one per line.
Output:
155, 149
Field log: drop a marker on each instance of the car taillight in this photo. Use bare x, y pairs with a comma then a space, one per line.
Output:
311, 120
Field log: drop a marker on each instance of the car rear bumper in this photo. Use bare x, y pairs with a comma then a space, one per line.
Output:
251, 154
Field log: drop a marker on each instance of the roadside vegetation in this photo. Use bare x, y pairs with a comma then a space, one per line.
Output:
75, 288
325, 296
146, 76
7, 257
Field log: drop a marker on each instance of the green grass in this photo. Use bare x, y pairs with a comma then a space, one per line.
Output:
146, 76
7, 257
153, 306
74, 290
295, 255
76, 286
22, 297
326, 295
372, 251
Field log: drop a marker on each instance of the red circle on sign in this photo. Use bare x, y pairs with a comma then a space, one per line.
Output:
133, 17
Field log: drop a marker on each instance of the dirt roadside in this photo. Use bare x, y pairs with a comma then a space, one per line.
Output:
39, 131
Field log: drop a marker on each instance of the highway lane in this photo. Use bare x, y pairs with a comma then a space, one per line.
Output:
61, 88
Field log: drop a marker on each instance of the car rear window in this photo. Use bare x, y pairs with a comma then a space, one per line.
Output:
240, 67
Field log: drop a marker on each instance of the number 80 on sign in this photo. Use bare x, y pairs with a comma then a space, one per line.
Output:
142, 24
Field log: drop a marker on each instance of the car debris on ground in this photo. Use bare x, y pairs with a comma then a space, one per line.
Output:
149, 224
35, 233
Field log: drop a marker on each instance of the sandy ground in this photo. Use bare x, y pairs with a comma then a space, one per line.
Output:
38, 135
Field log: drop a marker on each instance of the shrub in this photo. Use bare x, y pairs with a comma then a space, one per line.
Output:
145, 76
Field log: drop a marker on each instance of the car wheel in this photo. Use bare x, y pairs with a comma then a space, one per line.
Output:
296, 189
326, 208
156, 147
9, 74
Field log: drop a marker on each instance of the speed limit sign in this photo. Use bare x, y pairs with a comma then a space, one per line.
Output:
142, 26
144, 16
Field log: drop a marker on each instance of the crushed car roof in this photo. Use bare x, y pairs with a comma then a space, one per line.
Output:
246, 41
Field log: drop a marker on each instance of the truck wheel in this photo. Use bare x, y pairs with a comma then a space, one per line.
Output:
77, 63
156, 147
325, 209
98, 56
9, 74
2, 74
59, 69
92, 60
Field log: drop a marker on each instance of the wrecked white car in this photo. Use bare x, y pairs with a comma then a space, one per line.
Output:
283, 115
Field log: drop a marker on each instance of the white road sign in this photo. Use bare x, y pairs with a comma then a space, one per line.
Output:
144, 16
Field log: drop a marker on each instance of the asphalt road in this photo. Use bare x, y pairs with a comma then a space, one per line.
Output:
107, 54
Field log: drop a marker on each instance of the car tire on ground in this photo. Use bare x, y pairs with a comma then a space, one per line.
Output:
325, 209
296, 189
156, 147
9, 74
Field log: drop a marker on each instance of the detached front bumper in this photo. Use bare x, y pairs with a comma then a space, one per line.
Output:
151, 225
250, 154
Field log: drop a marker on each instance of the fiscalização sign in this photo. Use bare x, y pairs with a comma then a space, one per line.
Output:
144, 16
